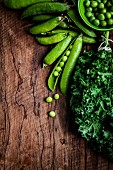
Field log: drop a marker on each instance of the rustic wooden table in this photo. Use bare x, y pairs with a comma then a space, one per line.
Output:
29, 139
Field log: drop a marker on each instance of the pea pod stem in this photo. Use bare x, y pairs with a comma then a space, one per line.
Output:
70, 64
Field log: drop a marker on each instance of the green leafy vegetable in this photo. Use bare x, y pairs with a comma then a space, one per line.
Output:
92, 100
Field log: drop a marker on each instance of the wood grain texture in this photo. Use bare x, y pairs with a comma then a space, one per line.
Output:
29, 139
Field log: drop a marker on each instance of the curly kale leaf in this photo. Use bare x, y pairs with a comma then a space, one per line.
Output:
92, 99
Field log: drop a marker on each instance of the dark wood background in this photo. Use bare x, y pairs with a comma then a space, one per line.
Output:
29, 139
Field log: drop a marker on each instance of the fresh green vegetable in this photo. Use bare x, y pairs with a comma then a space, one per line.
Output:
22, 3
64, 24
49, 99
56, 96
42, 17
52, 114
70, 64
53, 80
91, 99
57, 51
45, 8
51, 39
72, 13
46, 26
98, 11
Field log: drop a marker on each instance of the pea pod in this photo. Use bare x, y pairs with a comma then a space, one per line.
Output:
70, 64
56, 51
14, 4
55, 31
46, 26
72, 13
42, 17
44, 8
52, 80
88, 40
64, 24
51, 39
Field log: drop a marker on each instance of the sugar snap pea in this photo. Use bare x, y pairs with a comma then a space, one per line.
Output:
51, 39
42, 17
53, 80
70, 64
72, 13
14, 4
46, 26
44, 8
56, 51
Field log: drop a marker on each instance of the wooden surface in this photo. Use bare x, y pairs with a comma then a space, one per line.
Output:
29, 139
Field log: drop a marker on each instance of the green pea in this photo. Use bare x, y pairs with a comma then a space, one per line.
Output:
101, 17
87, 3
61, 64
52, 114
103, 23
56, 96
104, 1
103, 10
101, 5
95, 9
109, 4
64, 58
96, 22
96, 14
56, 73
89, 9
108, 15
49, 99
92, 18
70, 47
110, 21
98, 1
88, 14
94, 4
67, 52
58, 69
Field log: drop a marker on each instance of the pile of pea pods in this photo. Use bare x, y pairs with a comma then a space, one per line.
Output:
59, 24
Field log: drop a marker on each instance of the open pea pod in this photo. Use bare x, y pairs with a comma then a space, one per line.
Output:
57, 70
57, 51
